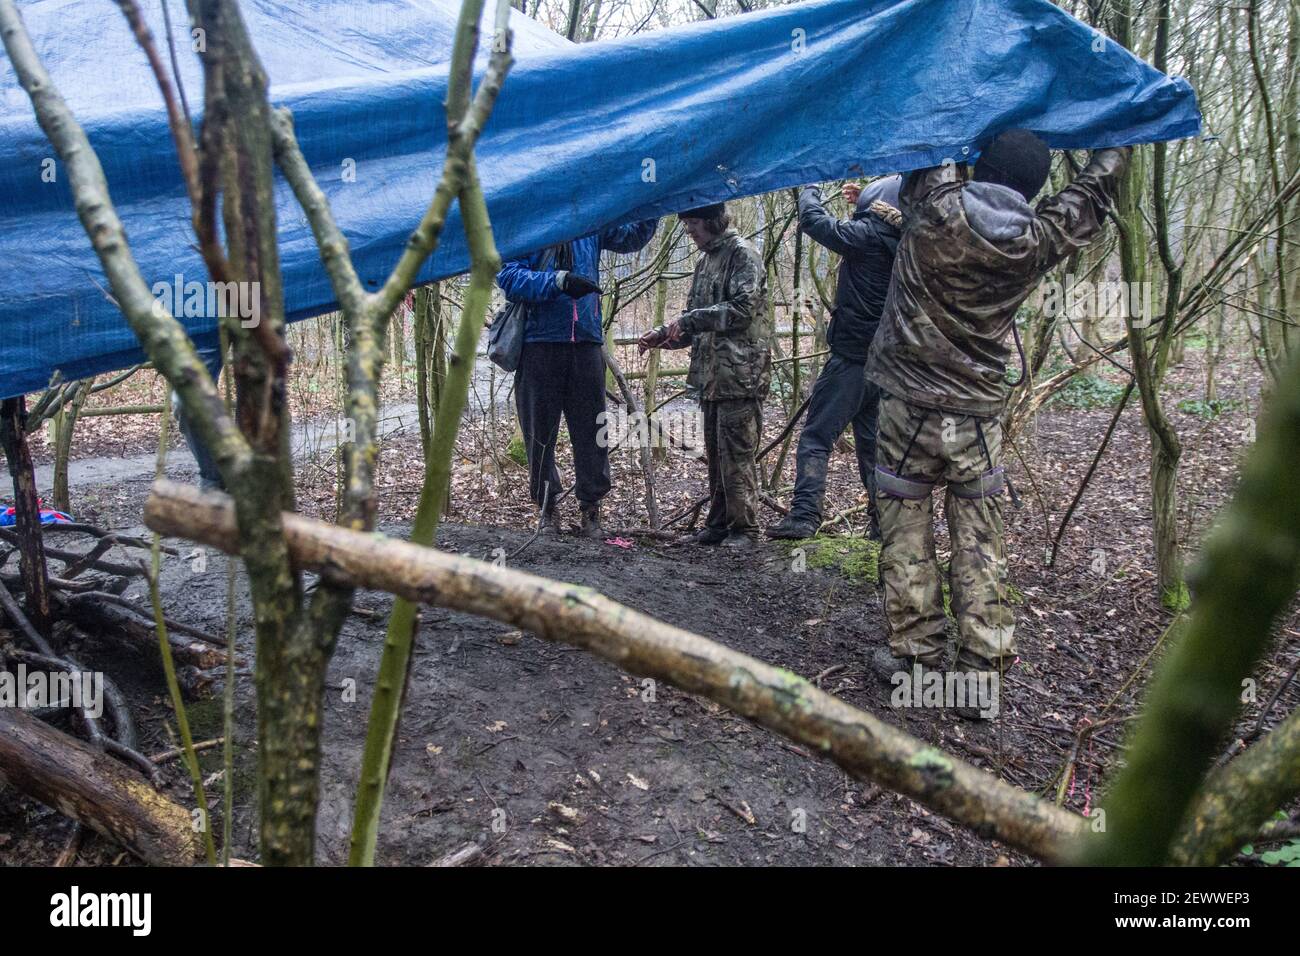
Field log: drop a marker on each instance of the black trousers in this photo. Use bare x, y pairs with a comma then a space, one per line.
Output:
209, 473
842, 394
563, 378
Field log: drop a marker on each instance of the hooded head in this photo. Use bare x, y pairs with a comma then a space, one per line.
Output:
882, 190
1016, 159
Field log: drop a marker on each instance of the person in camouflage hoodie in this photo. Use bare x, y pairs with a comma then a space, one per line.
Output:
970, 254
727, 328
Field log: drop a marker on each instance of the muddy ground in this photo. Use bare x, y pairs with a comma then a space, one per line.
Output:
544, 755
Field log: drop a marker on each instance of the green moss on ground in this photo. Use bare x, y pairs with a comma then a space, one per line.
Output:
1177, 599
854, 556
516, 451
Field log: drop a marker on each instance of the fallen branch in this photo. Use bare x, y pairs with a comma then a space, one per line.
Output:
867, 748
124, 733
89, 597
95, 790
19, 619
95, 617
469, 853
175, 752
77, 527
71, 558
692, 509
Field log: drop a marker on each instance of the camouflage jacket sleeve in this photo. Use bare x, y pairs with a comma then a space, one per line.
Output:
1071, 219
921, 186
744, 285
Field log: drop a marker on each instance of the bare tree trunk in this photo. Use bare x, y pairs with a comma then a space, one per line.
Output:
27, 512
399, 346
1214, 343
1271, 134
575, 19
668, 227
593, 22
394, 665
430, 365
1149, 366
65, 423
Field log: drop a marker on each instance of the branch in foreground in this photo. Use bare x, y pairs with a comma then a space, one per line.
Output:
868, 748
394, 665
463, 132
1248, 573
1238, 798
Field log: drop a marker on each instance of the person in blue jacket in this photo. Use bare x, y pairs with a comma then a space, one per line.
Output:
562, 367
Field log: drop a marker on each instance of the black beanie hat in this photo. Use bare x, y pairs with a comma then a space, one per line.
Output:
1016, 158
704, 212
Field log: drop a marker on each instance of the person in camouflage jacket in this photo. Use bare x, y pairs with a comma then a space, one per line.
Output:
970, 254
728, 330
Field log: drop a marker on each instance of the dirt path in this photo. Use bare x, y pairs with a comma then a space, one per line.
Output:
309, 438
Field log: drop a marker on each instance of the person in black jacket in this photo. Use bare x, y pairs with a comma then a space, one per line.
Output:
842, 394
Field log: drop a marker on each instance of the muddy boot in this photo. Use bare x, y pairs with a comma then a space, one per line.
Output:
708, 536
873, 528
791, 528
591, 528
885, 667
739, 541
991, 675
548, 522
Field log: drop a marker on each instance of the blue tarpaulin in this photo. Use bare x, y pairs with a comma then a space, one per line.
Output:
583, 136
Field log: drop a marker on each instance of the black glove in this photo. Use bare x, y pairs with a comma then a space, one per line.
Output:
574, 285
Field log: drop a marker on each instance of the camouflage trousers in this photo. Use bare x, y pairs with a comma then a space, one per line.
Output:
732, 431
917, 449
